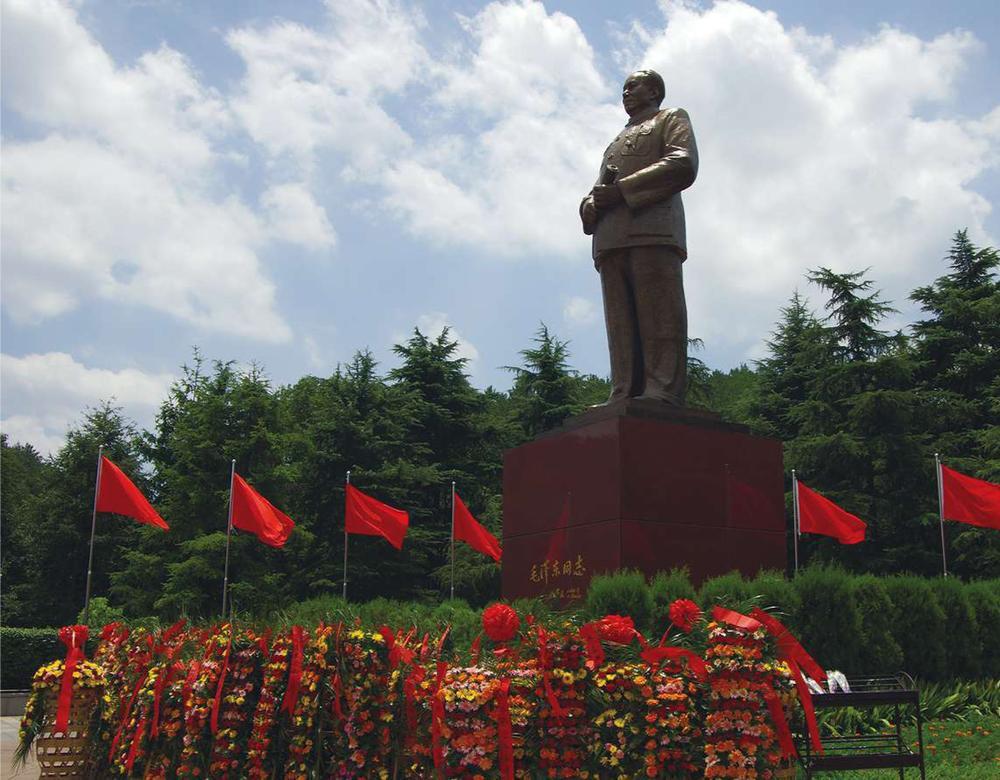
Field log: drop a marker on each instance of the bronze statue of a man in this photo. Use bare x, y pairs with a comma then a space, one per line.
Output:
636, 217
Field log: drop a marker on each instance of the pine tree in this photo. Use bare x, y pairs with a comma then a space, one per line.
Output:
51, 530
957, 352
544, 391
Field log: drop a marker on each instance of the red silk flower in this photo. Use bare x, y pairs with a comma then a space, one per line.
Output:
617, 629
500, 622
684, 613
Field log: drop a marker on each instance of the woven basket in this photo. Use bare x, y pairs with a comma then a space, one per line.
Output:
67, 754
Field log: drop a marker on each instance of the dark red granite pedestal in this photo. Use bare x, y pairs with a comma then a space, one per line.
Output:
640, 485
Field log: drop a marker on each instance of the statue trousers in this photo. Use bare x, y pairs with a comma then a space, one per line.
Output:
646, 318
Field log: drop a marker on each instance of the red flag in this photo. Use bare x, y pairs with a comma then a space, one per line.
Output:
819, 515
970, 500
365, 515
254, 513
468, 529
116, 493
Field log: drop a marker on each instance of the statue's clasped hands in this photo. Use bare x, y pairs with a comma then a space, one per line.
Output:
606, 196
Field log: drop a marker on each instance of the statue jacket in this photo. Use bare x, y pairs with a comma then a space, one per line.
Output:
656, 157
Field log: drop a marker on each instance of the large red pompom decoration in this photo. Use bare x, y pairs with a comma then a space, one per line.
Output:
500, 622
617, 629
684, 613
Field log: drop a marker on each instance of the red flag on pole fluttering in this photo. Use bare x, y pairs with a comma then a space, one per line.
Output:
819, 515
970, 500
368, 516
254, 513
468, 530
117, 494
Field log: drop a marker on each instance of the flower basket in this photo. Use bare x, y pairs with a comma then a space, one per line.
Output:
67, 754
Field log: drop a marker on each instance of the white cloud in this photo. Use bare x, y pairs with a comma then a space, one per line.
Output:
56, 74
44, 394
293, 215
580, 311
535, 112
119, 201
814, 154
308, 90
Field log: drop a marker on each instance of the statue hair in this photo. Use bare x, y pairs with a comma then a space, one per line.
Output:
654, 78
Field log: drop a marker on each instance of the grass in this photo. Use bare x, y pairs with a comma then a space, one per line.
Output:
953, 750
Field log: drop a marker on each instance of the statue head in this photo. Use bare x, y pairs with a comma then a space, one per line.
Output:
642, 91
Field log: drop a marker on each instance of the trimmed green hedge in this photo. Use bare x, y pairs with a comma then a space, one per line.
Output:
934, 629
23, 651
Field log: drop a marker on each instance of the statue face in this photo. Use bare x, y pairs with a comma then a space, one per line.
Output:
638, 95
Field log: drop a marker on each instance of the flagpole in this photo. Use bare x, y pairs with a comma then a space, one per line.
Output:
93, 531
795, 518
346, 482
229, 533
453, 539
937, 468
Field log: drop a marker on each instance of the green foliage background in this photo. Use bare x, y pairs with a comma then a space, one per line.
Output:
861, 412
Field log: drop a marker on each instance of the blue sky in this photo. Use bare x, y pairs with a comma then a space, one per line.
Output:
290, 182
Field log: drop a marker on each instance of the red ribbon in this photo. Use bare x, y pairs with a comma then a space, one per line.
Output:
543, 663
410, 696
595, 650
474, 650
126, 711
505, 731
294, 673
338, 690
437, 716
440, 642
217, 704
74, 637
734, 619
134, 747
785, 740
162, 682
788, 646
654, 656
805, 699
168, 636
792, 653
192, 675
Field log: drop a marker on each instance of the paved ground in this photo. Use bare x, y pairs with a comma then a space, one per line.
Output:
8, 741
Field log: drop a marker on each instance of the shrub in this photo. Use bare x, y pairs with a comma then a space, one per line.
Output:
665, 588
465, 622
829, 622
24, 650
728, 589
879, 652
621, 593
985, 600
101, 613
327, 608
962, 644
918, 624
770, 589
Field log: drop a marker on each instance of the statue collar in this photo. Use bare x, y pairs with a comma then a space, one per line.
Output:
634, 120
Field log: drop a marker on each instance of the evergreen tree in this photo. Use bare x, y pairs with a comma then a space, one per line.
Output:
51, 530
544, 391
799, 348
24, 478
208, 420
859, 431
957, 353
